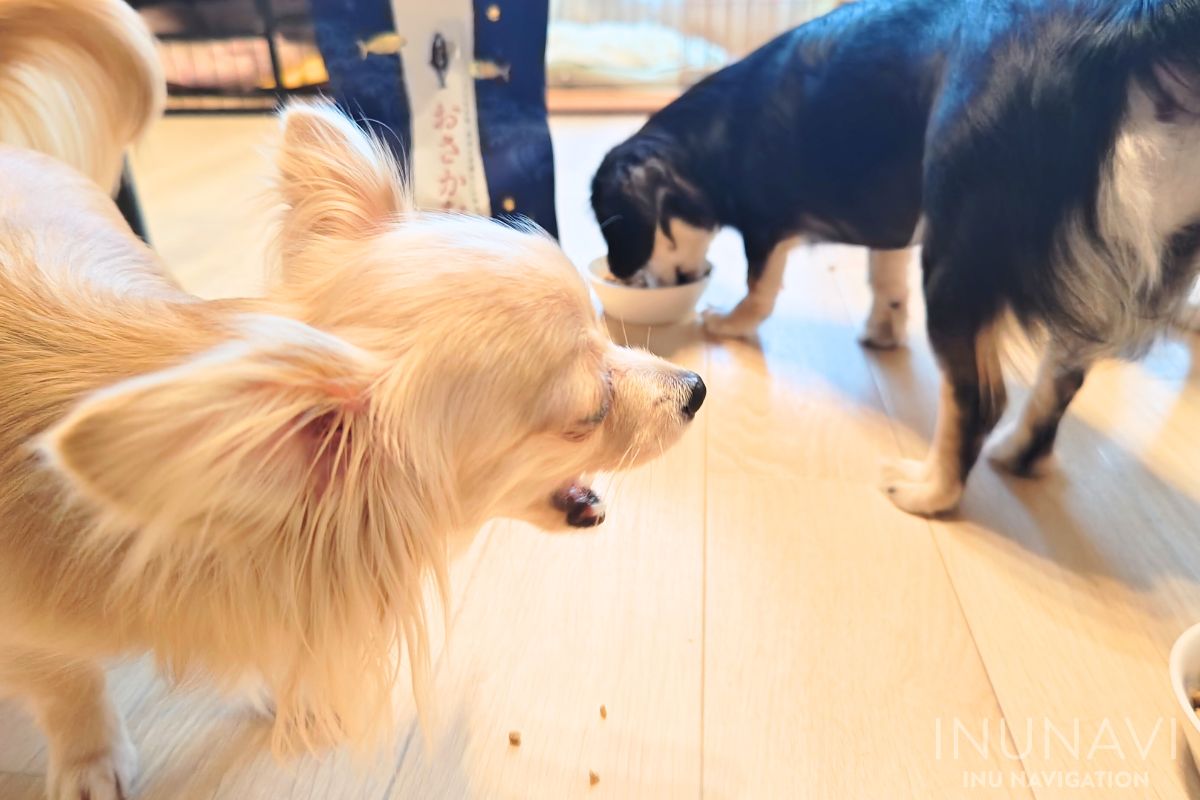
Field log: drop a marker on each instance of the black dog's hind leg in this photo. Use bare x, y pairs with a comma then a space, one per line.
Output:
887, 273
1024, 446
766, 259
961, 330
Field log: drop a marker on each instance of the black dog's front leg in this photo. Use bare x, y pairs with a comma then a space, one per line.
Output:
972, 397
766, 258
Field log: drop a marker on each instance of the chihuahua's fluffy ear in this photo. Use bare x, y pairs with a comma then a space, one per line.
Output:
336, 181
238, 438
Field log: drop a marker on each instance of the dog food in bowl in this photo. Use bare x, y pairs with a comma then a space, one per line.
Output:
642, 305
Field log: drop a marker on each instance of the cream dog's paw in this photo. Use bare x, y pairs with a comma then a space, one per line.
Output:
106, 776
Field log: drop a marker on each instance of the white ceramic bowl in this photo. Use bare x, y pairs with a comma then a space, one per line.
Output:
1185, 676
662, 306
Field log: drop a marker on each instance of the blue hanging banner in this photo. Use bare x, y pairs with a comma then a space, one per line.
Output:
400, 69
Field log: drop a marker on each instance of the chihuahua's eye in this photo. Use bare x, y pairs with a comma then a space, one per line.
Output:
586, 426
606, 396
582, 430
598, 417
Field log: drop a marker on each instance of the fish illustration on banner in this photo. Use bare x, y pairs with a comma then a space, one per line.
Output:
381, 44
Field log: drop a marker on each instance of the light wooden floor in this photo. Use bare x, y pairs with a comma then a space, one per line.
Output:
756, 617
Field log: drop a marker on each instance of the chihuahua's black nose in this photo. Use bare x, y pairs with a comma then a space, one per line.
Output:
696, 398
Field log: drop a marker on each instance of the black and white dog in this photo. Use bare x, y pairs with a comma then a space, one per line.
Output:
1045, 152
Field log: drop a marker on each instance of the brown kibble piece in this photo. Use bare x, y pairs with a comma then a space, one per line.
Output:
514, 738
1194, 697
603, 712
593, 778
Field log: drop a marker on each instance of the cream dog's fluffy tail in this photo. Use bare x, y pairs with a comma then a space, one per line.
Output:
80, 80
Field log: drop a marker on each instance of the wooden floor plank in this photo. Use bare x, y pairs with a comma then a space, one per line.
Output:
834, 651
204, 189
835, 646
16, 786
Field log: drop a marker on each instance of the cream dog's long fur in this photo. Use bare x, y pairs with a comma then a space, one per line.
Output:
263, 488
79, 80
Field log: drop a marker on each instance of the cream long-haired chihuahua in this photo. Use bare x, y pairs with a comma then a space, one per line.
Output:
263, 487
